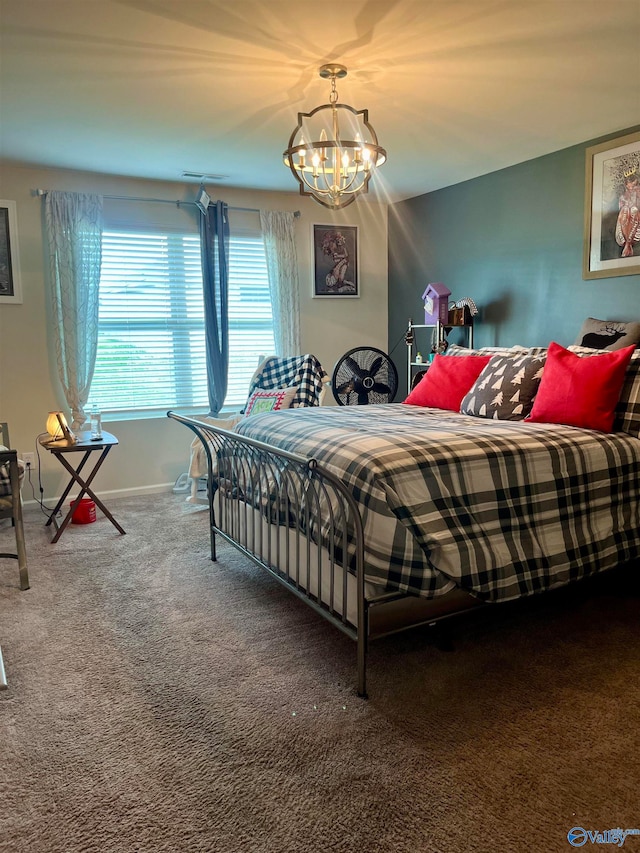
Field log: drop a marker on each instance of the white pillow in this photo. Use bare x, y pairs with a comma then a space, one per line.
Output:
270, 401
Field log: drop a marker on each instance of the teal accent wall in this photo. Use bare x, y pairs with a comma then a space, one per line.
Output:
512, 241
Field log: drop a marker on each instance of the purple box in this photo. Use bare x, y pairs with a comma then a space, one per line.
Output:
436, 303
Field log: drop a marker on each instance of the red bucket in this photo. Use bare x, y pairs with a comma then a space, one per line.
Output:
85, 512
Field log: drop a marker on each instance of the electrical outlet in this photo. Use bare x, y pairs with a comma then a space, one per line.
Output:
28, 460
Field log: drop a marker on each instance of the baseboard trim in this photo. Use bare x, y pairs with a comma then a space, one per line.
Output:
154, 489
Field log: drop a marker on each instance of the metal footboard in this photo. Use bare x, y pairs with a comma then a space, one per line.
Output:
295, 519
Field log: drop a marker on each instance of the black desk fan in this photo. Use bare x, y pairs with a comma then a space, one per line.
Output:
364, 375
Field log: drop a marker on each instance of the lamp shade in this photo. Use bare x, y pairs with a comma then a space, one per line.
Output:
56, 422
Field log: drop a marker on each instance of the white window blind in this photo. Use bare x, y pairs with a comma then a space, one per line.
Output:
151, 342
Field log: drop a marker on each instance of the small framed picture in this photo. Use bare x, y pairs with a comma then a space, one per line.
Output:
10, 284
335, 261
612, 208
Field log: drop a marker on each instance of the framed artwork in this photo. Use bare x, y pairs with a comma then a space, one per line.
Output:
10, 284
335, 261
612, 208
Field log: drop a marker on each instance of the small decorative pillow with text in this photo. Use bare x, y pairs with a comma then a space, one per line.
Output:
578, 391
270, 401
506, 387
446, 381
608, 334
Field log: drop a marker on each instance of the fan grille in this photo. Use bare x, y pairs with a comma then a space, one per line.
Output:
364, 375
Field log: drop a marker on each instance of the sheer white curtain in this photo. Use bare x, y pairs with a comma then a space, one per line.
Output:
73, 224
278, 230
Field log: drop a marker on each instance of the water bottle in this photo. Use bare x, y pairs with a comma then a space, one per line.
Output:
96, 424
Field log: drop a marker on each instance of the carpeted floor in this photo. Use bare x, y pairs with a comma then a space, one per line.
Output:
161, 702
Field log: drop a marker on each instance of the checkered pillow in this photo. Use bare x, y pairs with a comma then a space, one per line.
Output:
5, 482
628, 408
456, 349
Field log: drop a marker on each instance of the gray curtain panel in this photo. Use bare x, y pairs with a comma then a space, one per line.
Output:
214, 242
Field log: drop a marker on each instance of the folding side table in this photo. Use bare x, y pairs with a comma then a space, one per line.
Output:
61, 450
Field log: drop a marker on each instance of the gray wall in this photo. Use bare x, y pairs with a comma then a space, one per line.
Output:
512, 241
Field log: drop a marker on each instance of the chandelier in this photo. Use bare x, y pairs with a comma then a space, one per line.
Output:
333, 151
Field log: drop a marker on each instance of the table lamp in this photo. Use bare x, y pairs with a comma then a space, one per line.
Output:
58, 428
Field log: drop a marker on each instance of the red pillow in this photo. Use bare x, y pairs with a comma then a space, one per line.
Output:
447, 381
580, 392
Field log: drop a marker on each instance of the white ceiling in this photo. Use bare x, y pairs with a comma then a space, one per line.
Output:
454, 89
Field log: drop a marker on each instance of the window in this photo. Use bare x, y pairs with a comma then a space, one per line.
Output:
151, 341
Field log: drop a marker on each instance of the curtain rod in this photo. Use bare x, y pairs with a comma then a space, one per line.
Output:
177, 202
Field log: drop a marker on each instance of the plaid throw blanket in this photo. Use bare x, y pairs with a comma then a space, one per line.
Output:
5, 482
502, 509
304, 371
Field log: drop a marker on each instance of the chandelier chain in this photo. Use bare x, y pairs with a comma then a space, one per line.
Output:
333, 97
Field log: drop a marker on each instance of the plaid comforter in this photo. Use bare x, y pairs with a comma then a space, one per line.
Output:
502, 509
5, 479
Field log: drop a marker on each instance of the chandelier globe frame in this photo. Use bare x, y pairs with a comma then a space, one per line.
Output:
333, 151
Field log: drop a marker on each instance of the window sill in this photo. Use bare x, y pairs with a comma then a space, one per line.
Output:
132, 415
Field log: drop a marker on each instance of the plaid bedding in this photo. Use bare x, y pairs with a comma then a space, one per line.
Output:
5, 479
502, 509
5, 482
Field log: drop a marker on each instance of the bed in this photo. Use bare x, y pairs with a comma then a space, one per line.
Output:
388, 516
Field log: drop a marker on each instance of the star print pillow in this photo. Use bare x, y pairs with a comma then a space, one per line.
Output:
506, 388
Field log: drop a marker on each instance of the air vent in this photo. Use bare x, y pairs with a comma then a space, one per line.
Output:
202, 177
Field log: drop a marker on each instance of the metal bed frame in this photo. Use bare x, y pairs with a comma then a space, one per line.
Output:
309, 536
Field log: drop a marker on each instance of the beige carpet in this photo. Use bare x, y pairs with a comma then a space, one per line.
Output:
161, 702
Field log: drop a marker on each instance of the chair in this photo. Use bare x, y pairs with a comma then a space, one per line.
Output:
302, 372
11, 472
